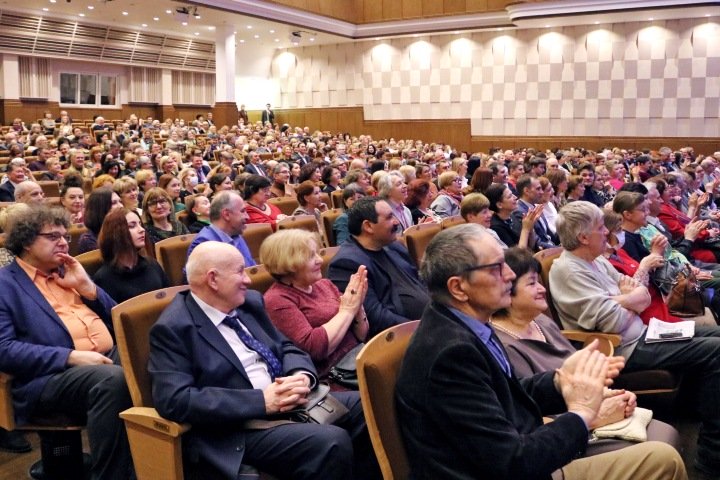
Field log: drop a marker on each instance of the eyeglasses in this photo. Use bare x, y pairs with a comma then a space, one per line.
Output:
495, 268
159, 201
56, 236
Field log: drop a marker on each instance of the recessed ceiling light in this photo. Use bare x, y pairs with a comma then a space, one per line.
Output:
597, 23
651, 19
312, 39
499, 29
235, 32
272, 31
184, 24
90, 7
211, 27
242, 41
197, 33
707, 14
45, 9
249, 27
81, 14
197, 17
168, 11
456, 32
256, 36
157, 19
124, 13
547, 26
277, 39
53, 1
144, 25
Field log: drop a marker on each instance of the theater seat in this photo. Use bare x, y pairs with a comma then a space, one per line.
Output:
254, 235
91, 261
418, 237
305, 222
328, 219
260, 278
378, 364
171, 254
287, 205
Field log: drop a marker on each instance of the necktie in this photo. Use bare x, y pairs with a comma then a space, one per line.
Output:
274, 365
498, 353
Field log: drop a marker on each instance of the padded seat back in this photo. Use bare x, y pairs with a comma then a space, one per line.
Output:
171, 254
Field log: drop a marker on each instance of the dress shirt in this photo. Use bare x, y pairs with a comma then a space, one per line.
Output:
484, 332
402, 213
87, 330
254, 365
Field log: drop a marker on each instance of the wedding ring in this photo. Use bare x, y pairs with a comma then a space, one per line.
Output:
353, 292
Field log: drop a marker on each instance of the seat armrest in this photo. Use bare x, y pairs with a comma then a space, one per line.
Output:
149, 418
608, 341
7, 411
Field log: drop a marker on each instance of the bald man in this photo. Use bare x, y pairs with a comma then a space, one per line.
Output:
216, 362
29, 192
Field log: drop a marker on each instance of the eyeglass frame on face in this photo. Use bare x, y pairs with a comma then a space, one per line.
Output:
156, 202
56, 236
497, 265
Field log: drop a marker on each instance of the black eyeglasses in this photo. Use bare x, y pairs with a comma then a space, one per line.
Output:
55, 236
495, 268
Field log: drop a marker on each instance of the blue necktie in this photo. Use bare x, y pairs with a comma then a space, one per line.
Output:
274, 365
498, 353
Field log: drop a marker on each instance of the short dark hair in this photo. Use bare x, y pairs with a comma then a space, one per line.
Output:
417, 190
327, 174
253, 184
494, 194
27, 225
216, 180
363, 209
522, 183
521, 261
350, 191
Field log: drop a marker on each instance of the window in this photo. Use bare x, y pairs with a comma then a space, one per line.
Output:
87, 89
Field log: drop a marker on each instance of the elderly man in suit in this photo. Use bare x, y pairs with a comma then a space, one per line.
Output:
56, 340
463, 413
395, 294
216, 362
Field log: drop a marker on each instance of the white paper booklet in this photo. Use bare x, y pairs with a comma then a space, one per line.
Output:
659, 331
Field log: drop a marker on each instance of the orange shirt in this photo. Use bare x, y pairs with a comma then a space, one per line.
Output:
87, 330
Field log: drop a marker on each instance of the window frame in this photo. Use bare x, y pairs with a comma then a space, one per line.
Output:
98, 90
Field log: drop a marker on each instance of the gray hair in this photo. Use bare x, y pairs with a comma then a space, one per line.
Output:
220, 202
449, 254
574, 219
385, 184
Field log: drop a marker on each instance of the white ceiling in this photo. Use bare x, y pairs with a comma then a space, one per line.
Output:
249, 18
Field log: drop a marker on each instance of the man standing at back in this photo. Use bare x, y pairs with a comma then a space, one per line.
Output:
395, 294
227, 222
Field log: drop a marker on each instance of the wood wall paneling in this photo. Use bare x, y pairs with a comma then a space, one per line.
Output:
432, 8
372, 11
392, 10
454, 7
411, 9
476, 6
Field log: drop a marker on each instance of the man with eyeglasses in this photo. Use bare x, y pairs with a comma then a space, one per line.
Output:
56, 340
395, 294
462, 411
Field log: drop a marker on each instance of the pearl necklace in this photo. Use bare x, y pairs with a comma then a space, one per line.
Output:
516, 335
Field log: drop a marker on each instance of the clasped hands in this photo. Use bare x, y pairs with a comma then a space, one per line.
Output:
286, 393
582, 379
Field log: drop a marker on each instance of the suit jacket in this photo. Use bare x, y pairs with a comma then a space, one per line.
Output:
242, 114
34, 343
197, 378
214, 234
382, 303
255, 169
7, 192
544, 237
268, 116
462, 417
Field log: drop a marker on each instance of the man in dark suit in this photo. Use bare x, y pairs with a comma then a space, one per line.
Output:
56, 340
253, 166
15, 175
197, 163
463, 413
216, 362
243, 115
395, 294
268, 115
531, 192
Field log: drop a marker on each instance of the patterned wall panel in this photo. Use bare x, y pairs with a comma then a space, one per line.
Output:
626, 79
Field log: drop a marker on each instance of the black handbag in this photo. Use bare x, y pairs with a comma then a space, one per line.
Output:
321, 408
345, 371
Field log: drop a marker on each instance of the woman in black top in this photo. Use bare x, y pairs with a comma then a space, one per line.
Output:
126, 272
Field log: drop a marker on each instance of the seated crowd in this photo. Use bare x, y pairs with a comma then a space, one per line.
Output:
486, 360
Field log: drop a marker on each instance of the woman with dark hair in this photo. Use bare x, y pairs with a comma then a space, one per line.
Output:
309, 171
126, 272
98, 205
481, 180
198, 211
308, 196
172, 186
559, 182
503, 203
420, 196
72, 197
159, 216
256, 195
109, 167
351, 193
331, 177
535, 344
218, 183
294, 173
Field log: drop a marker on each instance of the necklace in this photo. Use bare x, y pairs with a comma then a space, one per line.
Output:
516, 335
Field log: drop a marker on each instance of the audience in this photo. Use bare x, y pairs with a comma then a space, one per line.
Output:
351, 193
159, 216
198, 212
99, 204
256, 196
72, 198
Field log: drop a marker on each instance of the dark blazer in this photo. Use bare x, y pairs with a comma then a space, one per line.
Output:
242, 114
7, 192
382, 303
462, 417
197, 378
268, 116
34, 343
544, 238
255, 169
508, 233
